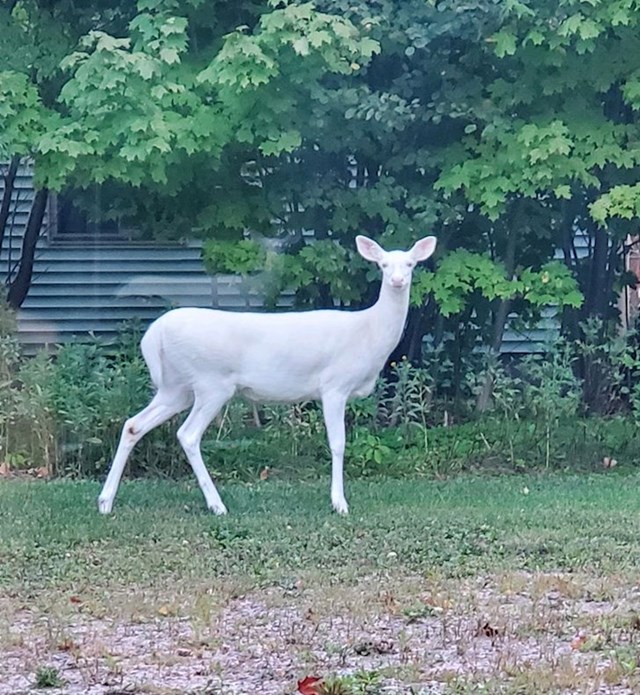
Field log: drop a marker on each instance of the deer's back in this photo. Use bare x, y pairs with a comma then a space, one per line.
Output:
285, 356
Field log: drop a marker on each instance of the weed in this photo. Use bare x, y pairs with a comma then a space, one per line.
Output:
48, 677
414, 614
360, 683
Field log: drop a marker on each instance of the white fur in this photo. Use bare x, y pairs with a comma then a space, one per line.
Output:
200, 358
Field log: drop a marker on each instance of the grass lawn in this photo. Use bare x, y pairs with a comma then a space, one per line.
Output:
510, 585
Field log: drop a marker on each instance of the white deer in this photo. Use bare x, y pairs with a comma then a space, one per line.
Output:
200, 358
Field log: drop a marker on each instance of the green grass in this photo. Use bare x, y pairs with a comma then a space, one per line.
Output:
52, 535
395, 594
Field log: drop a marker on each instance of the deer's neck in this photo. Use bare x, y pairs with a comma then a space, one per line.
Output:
388, 317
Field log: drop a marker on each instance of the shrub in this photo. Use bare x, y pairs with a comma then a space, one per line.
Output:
64, 411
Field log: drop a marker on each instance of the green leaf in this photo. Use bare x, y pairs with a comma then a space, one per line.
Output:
170, 55
505, 43
563, 191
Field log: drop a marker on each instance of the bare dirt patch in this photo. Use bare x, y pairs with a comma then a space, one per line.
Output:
559, 633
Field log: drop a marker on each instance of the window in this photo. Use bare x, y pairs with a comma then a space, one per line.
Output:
81, 217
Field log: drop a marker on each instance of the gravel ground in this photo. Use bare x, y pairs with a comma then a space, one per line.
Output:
558, 633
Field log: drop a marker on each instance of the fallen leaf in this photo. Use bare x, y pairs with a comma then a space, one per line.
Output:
578, 642
609, 462
66, 645
310, 685
42, 472
75, 599
264, 473
4, 469
182, 651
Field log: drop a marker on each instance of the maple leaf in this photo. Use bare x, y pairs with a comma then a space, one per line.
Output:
309, 685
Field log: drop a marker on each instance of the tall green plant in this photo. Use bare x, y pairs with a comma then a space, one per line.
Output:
551, 392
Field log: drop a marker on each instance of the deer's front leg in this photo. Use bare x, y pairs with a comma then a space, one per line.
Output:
333, 407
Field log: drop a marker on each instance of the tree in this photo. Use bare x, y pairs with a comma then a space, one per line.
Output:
570, 148
345, 116
35, 37
174, 103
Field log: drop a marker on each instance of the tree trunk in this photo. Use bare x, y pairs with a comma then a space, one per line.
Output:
570, 324
5, 206
416, 332
19, 286
596, 296
410, 345
502, 313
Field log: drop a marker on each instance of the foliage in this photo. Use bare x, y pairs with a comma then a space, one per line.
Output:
255, 123
462, 273
551, 392
360, 683
407, 396
562, 137
63, 414
23, 118
281, 118
610, 369
239, 257
137, 107
9, 360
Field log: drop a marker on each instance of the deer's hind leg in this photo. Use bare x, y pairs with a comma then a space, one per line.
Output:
164, 405
205, 408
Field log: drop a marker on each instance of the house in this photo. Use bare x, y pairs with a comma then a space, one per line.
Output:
89, 279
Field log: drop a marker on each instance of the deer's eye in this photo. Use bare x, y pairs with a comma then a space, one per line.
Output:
410, 264
384, 264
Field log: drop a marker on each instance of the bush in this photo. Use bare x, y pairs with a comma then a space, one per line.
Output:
64, 411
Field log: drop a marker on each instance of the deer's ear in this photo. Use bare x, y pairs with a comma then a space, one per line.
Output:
369, 249
423, 248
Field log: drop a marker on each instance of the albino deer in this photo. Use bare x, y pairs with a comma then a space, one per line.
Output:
200, 358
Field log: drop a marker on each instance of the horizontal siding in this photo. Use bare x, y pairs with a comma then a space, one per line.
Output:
517, 341
75, 299
96, 292
80, 291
